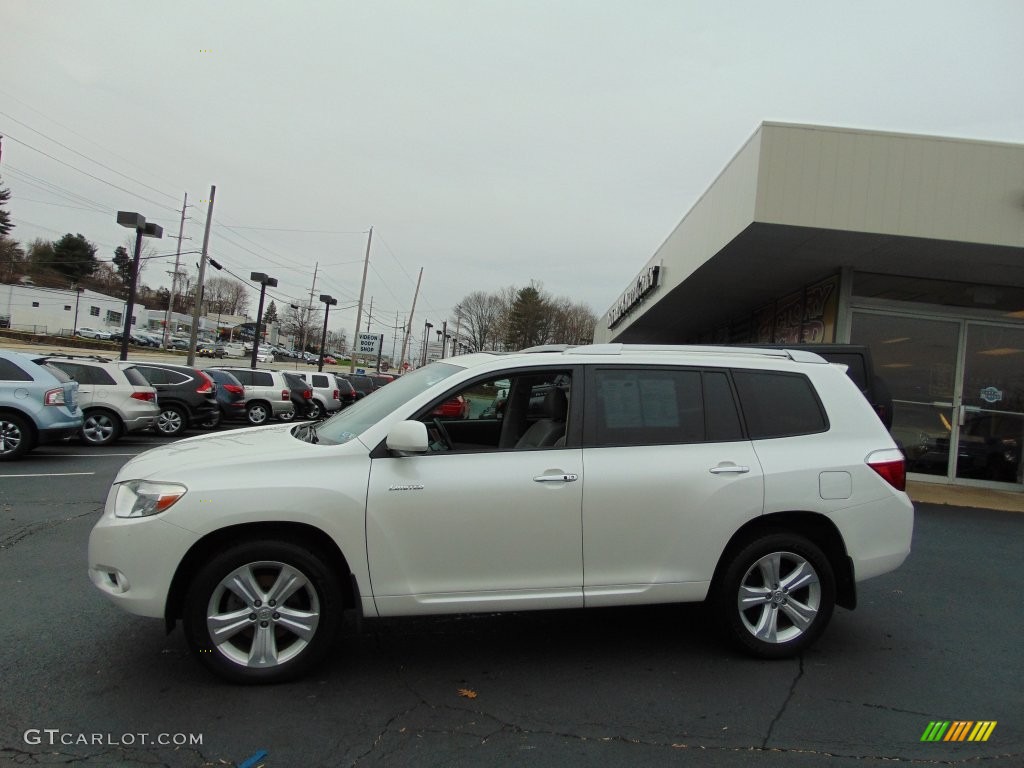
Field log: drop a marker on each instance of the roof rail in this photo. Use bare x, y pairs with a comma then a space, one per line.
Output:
94, 358
616, 348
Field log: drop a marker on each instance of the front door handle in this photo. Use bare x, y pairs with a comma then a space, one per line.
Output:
729, 469
566, 478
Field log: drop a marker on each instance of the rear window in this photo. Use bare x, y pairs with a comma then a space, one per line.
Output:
778, 404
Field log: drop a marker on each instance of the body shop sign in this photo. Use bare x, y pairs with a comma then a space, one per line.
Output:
645, 283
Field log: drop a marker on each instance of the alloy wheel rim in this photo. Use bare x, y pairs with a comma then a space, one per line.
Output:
779, 597
98, 428
257, 414
169, 421
10, 437
263, 614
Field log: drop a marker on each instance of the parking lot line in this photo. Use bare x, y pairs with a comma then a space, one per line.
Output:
52, 474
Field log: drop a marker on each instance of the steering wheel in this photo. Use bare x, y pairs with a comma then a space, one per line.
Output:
442, 433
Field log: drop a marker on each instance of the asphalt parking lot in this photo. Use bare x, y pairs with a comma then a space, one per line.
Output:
938, 640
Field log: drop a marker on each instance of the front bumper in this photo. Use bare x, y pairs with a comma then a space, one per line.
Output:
132, 561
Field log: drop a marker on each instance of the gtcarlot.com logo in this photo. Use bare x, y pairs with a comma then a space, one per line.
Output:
958, 730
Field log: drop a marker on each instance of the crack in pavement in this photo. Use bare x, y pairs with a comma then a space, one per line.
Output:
120, 757
785, 704
21, 533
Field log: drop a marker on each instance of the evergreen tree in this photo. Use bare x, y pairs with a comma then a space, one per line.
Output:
5, 216
270, 314
74, 257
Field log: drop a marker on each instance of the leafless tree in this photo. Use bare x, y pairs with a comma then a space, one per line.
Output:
302, 322
481, 318
225, 295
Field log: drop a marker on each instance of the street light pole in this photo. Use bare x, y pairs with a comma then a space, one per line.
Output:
264, 281
329, 302
137, 222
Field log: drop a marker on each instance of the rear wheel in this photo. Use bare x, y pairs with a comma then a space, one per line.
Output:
100, 428
211, 423
315, 410
263, 612
15, 438
776, 595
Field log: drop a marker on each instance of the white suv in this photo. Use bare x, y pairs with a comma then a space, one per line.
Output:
326, 395
114, 399
758, 480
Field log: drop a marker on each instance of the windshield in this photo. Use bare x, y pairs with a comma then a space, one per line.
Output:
359, 417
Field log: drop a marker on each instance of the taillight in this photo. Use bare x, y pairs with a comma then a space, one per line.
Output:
337, 395
207, 387
286, 394
54, 397
235, 389
308, 394
890, 466
149, 397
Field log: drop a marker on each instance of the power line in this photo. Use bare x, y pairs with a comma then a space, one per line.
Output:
288, 229
84, 156
86, 173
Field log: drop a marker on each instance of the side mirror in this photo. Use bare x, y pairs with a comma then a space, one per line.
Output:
408, 437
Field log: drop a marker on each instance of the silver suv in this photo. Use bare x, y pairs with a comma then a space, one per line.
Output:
267, 394
114, 399
326, 395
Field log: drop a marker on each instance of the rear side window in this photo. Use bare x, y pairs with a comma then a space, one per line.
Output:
243, 376
778, 404
262, 379
647, 407
11, 372
136, 378
99, 376
320, 380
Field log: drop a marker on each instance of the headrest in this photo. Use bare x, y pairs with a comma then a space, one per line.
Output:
555, 404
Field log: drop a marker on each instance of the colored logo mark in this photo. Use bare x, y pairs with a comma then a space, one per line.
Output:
254, 760
959, 730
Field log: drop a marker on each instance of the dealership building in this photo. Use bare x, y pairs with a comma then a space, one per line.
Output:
911, 245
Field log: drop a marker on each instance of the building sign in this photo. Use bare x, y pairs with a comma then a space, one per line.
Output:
369, 343
991, 395
645, 283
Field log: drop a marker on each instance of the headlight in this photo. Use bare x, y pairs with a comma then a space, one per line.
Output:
141, 498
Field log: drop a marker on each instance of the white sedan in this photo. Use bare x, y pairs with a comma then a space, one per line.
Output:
264, 357
92, 333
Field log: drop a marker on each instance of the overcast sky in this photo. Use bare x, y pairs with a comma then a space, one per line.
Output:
491, 143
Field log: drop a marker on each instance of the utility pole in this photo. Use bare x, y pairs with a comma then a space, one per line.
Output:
394, 338
199, 284
174, 279
408, 327
369, 315
362, 292
309, 313
458, 327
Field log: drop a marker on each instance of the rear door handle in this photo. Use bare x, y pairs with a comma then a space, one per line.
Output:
566, 478
729, 469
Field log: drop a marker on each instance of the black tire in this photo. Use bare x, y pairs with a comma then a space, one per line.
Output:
100, 427
315, 410
211, 423
15, 437
296, 632
287, 415
258, 413
789, 587
171, 421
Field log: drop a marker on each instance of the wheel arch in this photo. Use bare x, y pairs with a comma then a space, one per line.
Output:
811, 525
105, 409
301, 534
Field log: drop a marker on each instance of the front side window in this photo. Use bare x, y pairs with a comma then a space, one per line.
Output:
515, 410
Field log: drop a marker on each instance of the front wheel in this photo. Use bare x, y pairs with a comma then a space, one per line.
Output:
315, 410
263, 612
258, 413
776, 596
171, 421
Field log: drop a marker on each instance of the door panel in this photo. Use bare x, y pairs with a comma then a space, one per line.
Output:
992, 410
658, 515
451, 532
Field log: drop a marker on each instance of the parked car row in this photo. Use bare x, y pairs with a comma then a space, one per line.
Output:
100, 400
